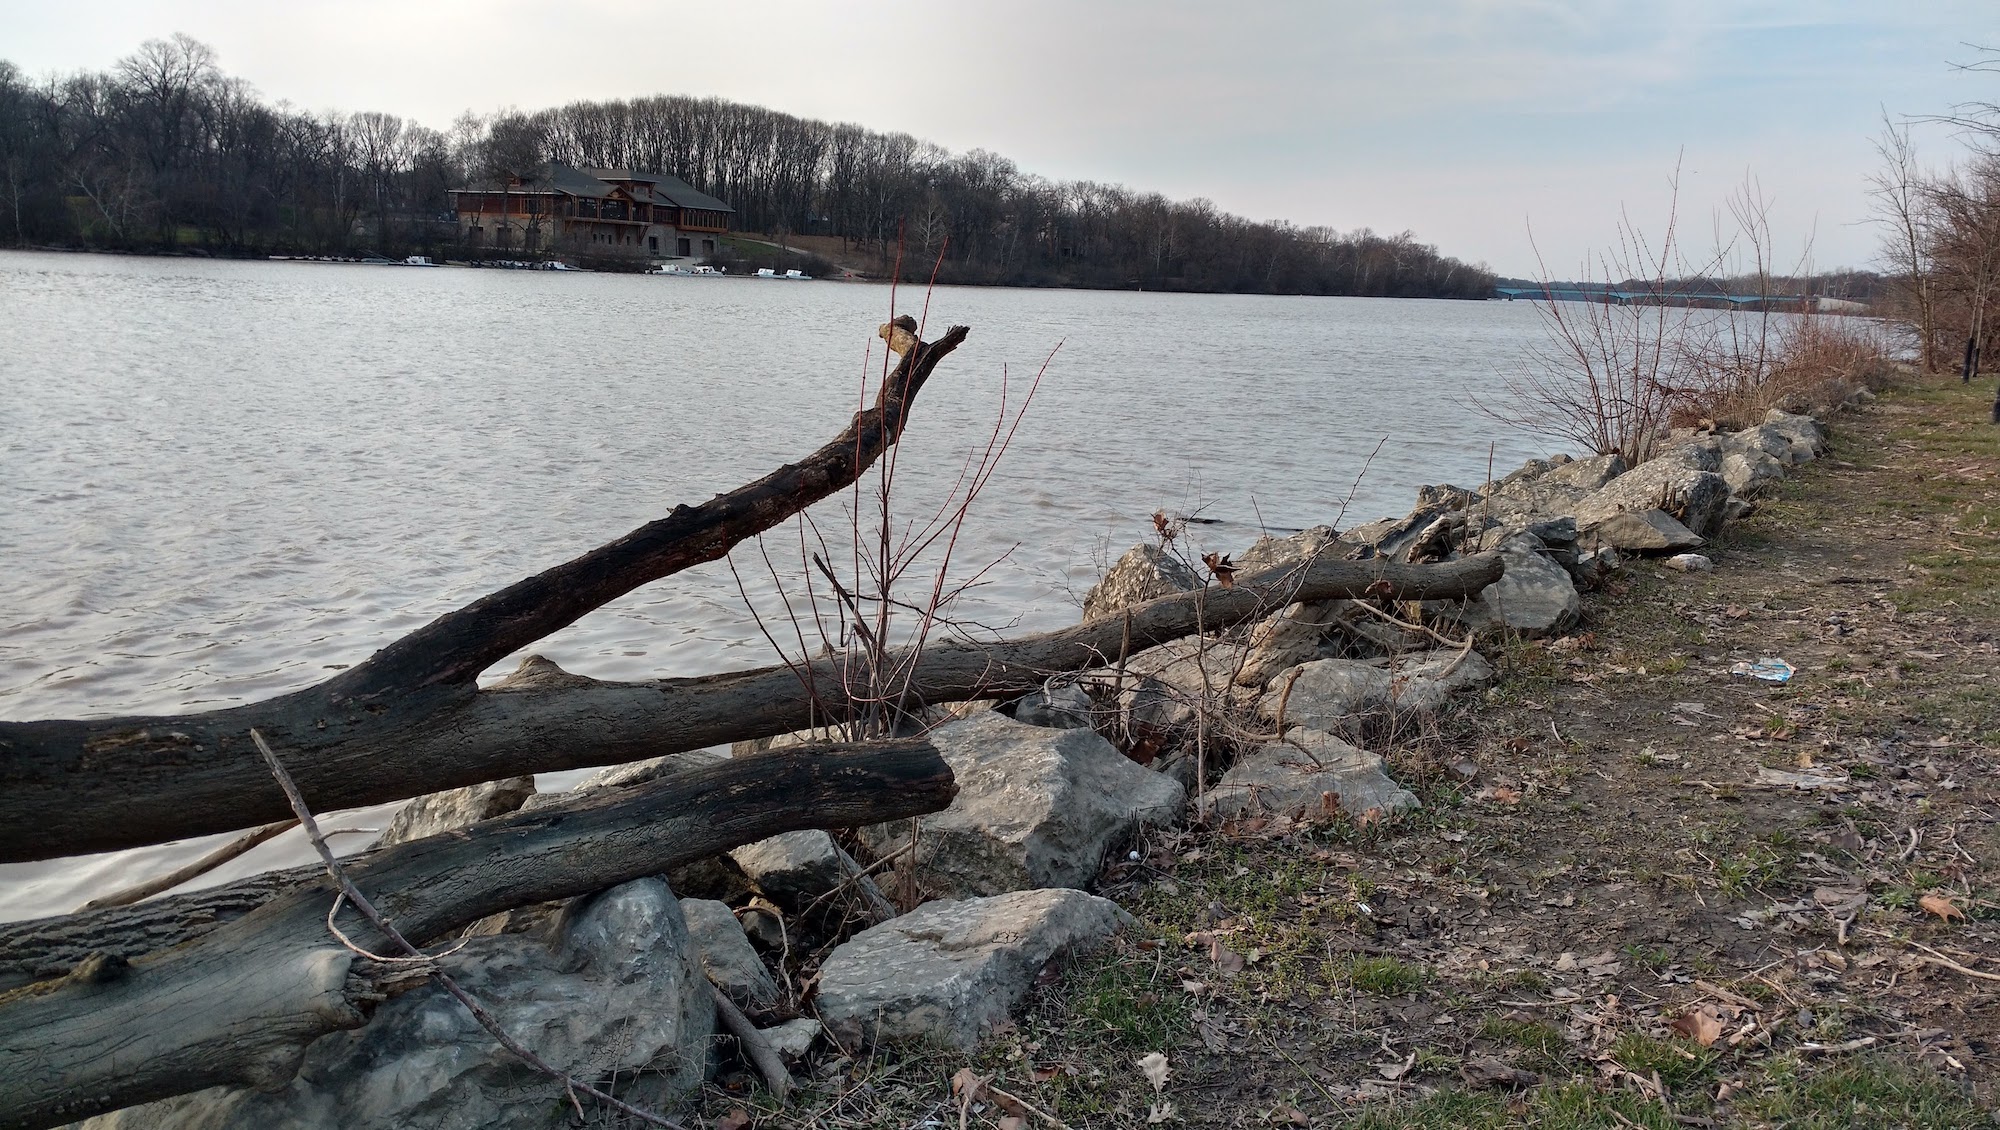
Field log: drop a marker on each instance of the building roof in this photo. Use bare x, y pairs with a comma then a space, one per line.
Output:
666, 189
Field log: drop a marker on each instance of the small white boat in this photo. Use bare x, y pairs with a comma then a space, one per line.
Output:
419, 261
801, 275
766, 273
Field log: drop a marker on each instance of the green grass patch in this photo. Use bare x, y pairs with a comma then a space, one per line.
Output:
1111, 997
1677, 1061
1384, 976
1859, 1094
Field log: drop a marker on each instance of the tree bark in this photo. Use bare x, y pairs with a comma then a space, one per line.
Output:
91, 786
239, 1004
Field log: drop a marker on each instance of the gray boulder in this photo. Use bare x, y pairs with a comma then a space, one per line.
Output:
1035, 808
1345, 695
1772, 441
1751, 473
794, 869
731, 963
1284, 640
794, 1038
1694, 497
953, 971
1297, 549
1699, 453
1144, 573
1808, 435
1166, 687
1062, 706
1391, 537
1534, 597
1305, 778
621, 1002
1645, 531
452, 809
1553, 492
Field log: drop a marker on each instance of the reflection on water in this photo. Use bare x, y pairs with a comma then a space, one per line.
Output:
220, 481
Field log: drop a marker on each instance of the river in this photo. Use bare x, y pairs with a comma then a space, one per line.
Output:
223, 480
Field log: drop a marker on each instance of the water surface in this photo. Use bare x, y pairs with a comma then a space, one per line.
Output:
220, 481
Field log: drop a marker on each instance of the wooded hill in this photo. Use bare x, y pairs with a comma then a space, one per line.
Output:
166, 151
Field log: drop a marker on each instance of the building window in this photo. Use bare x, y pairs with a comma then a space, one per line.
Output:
686, 247
708, 247
653, 243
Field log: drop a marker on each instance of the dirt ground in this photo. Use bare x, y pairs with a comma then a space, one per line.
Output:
1642, 890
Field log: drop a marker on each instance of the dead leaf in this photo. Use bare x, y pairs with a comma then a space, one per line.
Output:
1220, 565
736, 1119
1154, 1064
1286, 1112
1162, 526
968, 1084
1499, 794
1941, 906
1013, 1122
1702, 1026
1379, 588
1162, 1111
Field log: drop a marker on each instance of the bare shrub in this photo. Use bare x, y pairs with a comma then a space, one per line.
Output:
1650, 339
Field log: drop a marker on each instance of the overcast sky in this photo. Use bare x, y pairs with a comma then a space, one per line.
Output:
1462, 121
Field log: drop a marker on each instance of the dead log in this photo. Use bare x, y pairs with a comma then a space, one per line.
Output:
239, 1004
546, 720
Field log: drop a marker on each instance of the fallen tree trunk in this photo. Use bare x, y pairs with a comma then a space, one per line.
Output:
544, 719
239, 1004
80, 786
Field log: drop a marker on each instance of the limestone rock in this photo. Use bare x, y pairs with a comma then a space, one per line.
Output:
726, 954
1694, 497
1287, 639
1645, 531
1700, 453
953, 971
1061, 707
1035, 808
1554, 492
1144, 573
1586, 474
1533, 597
1166, 686
1808, 435
794, 869
1306, 778
794, 1038
1765, 438
623, 1001
1298, 549
1344, 695
1391, 537
452, 809
1751, 473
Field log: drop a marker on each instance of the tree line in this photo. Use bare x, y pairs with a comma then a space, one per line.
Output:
166, 151
1941, 241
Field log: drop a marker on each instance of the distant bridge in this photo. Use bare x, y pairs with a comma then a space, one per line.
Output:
1707, 299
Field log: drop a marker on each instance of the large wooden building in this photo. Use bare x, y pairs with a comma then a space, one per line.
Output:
601, 211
